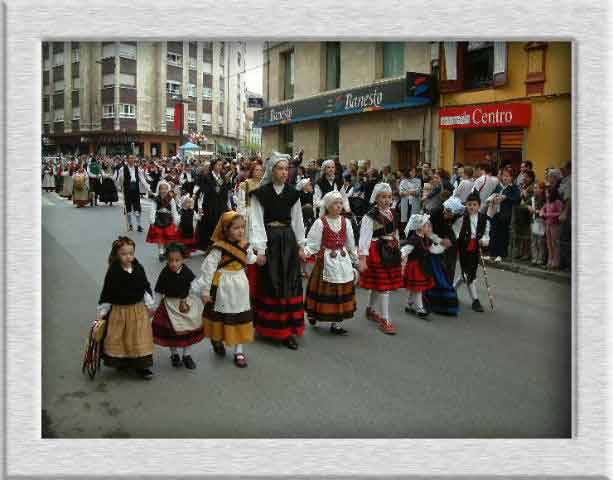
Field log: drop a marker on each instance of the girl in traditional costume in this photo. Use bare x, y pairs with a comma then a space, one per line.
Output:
164, 219
68, 182
48, 177
380, 261
80, 195
277, 231
418, 274
187, 233
127, 295
224, 288
108, 190
331, 291
177, 322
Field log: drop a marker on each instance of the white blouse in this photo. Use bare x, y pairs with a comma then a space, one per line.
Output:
435, 248
366, 232
258, 237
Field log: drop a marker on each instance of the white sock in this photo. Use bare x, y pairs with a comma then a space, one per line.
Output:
385, 305
186, 351
411, 298
161, 248
173, 350
138, 218
372, 299
458, 280
130, 218
419, 301
238, 349
472, 289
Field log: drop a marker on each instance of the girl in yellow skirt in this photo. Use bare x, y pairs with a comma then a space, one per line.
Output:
127, 296
227, 316
331, 291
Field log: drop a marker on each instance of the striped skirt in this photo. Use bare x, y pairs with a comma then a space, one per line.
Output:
329, 302
378, 277
230, 328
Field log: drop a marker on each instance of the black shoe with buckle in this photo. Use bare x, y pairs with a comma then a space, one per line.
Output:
291, 343
189, 362
176, 360
336, 329
477, 306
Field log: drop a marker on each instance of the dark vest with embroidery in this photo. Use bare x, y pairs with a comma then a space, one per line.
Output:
127, 179
277, 208
382, 225
464, 237
325, 187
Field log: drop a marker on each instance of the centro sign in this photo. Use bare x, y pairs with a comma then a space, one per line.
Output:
486, 116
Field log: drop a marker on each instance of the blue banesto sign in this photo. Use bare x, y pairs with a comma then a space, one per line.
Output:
382, 96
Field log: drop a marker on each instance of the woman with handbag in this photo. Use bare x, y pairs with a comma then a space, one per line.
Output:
331, 291
379, 252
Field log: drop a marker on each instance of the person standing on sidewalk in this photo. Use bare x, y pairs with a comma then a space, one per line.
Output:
504, 199
551, 213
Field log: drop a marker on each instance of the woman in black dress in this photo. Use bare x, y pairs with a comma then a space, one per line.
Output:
211, 199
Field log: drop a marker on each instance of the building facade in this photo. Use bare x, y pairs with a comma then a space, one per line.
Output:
120, 97
348, 99
511, 100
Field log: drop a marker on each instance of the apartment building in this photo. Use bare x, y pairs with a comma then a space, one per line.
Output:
120, 97
511, 100
349, 99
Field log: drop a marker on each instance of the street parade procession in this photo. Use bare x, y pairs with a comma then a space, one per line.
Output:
286, 242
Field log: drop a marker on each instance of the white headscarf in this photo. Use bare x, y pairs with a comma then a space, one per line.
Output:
380, 188
160, 183
454, 205
416, 221
330, 198
325, 164
302, 183
275, 158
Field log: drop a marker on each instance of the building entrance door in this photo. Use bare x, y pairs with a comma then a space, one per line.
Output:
405, 155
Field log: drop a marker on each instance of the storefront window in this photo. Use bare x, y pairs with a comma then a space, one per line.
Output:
478, 65
286, 138
393, 59
331, 138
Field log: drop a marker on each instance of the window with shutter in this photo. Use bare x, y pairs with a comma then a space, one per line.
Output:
393, 59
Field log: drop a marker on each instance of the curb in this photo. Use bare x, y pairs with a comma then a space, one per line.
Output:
556, 276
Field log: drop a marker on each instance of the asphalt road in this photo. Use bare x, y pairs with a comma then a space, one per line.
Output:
505, 373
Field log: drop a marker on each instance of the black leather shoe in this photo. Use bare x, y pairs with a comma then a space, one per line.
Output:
219, 348
336, 329
139, 229
175, 360
189, 362
146, 374
130, 229
291, 343
477, 306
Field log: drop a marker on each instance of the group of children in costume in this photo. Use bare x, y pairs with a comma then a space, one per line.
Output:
225, 306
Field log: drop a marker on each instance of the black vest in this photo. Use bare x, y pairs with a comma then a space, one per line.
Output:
186, 225
382, 226
277, 208
325, 187
464, 237
420, 251
127, 178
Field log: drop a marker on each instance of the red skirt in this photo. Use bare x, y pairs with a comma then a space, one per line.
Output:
164, 235
252, 276
415, 279
377, 277
164, 334
180, 238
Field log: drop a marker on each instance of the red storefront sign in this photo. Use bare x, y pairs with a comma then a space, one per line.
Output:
486, 116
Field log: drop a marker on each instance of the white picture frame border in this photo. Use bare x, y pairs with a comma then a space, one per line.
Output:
27, 23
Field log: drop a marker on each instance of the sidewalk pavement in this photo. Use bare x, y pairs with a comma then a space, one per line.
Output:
526, 268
